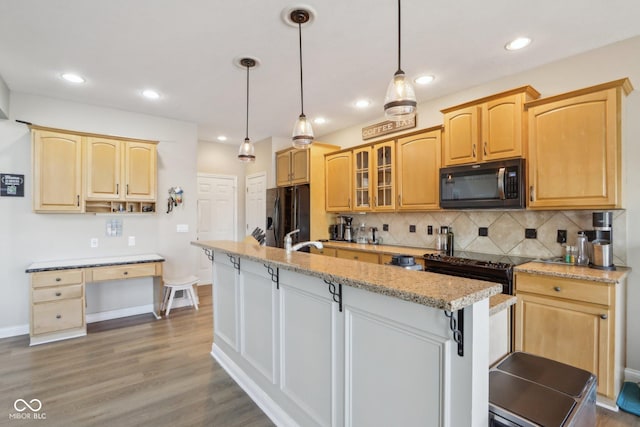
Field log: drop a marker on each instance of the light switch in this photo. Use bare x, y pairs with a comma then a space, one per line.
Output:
182, 228
94, 242
132, 240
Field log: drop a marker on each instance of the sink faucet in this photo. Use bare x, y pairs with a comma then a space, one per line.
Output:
301, 245
287, 239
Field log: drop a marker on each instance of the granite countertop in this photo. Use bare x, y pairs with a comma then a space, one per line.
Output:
379, 249
569, 271
92, 262
499, 302
429, 289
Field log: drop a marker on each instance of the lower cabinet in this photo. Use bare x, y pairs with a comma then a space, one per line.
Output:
358, 256
572, 321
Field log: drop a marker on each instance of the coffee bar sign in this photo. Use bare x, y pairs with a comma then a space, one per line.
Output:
387, 127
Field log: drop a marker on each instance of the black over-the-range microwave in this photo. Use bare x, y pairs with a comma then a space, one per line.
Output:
488, 185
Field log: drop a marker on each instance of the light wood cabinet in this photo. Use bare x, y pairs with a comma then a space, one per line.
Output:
57, 171
292, 167
486, 129
362, 181
573, 321
140, 170
362, 256
324, 251
338, 181
104, 169
575, 148
418, 167
384, 176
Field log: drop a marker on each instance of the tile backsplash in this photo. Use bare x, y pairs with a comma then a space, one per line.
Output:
506, 230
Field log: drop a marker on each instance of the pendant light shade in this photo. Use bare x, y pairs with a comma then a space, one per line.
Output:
247, 150
302, 135
400, 100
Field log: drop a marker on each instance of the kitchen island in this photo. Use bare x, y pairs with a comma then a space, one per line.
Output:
316, 340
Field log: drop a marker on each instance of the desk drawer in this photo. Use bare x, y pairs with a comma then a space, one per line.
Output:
123, 272
573, 289
58, 316
57, 293
57, 277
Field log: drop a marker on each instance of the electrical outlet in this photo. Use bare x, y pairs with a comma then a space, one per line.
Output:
412, 229
562, 236
385, 227
483, 231
530, 233
132, 240
429, 230
94, 242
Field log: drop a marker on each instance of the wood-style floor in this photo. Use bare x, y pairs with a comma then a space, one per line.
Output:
140, 372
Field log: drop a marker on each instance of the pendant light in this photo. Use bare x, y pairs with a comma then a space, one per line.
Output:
247, 150
400, 101
302, 135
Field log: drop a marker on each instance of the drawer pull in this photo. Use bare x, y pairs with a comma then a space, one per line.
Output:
604, 316
58, 316
58, 294
125, 273
557, 288
58, 279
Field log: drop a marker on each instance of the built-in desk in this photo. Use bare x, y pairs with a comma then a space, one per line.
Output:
58, 291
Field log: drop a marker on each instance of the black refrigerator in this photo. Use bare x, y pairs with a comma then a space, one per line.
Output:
288, 208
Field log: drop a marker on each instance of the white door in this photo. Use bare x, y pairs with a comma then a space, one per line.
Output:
256, 202
217, 214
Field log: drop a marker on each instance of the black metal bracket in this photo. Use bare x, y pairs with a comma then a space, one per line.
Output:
275, 275
208, 253
456, 324
337, 296
236, 263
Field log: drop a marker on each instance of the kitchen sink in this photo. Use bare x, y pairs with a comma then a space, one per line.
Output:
552, 260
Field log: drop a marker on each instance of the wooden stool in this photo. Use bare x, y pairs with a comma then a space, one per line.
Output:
182, 284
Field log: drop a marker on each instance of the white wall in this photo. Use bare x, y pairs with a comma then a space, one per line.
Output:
599, 66
27, 237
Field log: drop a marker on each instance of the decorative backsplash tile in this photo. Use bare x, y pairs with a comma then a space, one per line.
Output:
506, 230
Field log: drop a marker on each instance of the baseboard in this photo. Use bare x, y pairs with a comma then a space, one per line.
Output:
631, 375
14, 331
262, 399
116, 314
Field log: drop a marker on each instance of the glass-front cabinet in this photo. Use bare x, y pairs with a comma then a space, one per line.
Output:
362, 179
384, 193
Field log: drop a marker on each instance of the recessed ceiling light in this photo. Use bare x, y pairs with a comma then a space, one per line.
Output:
150, 94
363, 103
518, 43
73, 78
319, 120
424, 80
222, 138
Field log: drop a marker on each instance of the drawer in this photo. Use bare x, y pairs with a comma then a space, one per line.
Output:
58, 316
123, 272
573, 289
358, 256
57, 293
324, 251
57, 277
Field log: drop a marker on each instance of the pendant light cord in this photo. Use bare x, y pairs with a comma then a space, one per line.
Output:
399, 35
247, 128
301, 85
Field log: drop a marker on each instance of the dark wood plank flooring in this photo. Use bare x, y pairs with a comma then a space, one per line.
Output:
140, 372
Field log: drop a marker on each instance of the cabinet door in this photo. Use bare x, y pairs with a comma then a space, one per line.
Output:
573, 333
362, 179
461, 136
283, 169
418, 171
140, 171
299, 166
338, 182
57, 172
104, 173
574, 152
384, 194
502, 128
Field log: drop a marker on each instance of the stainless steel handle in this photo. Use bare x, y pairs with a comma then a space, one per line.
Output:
501, 183
58, 294
484, 150
117, 188
127, 189
531, 196
78, 200
604, 316
557, 288
474, 149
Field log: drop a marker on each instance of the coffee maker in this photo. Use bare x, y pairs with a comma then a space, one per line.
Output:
601, 241
348, 230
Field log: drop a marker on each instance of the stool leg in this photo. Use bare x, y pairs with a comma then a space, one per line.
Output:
194, 297
171, 295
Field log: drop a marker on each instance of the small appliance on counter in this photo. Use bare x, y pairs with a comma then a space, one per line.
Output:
600, 247
405, 261
348, 230
361, 235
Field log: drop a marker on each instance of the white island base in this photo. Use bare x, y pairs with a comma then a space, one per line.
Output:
373, 360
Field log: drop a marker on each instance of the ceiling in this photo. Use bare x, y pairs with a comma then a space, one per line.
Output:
186, 51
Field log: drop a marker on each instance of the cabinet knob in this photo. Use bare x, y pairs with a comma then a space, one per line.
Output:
58, 316
557, 288
58, 279
604, 316
58, 294
125, 273
355, 257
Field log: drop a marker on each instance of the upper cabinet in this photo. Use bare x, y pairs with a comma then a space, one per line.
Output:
575, 148
292, 167
418, 167
338, 181
362, 179
384, 167
487, 129
57, 171
118, 175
